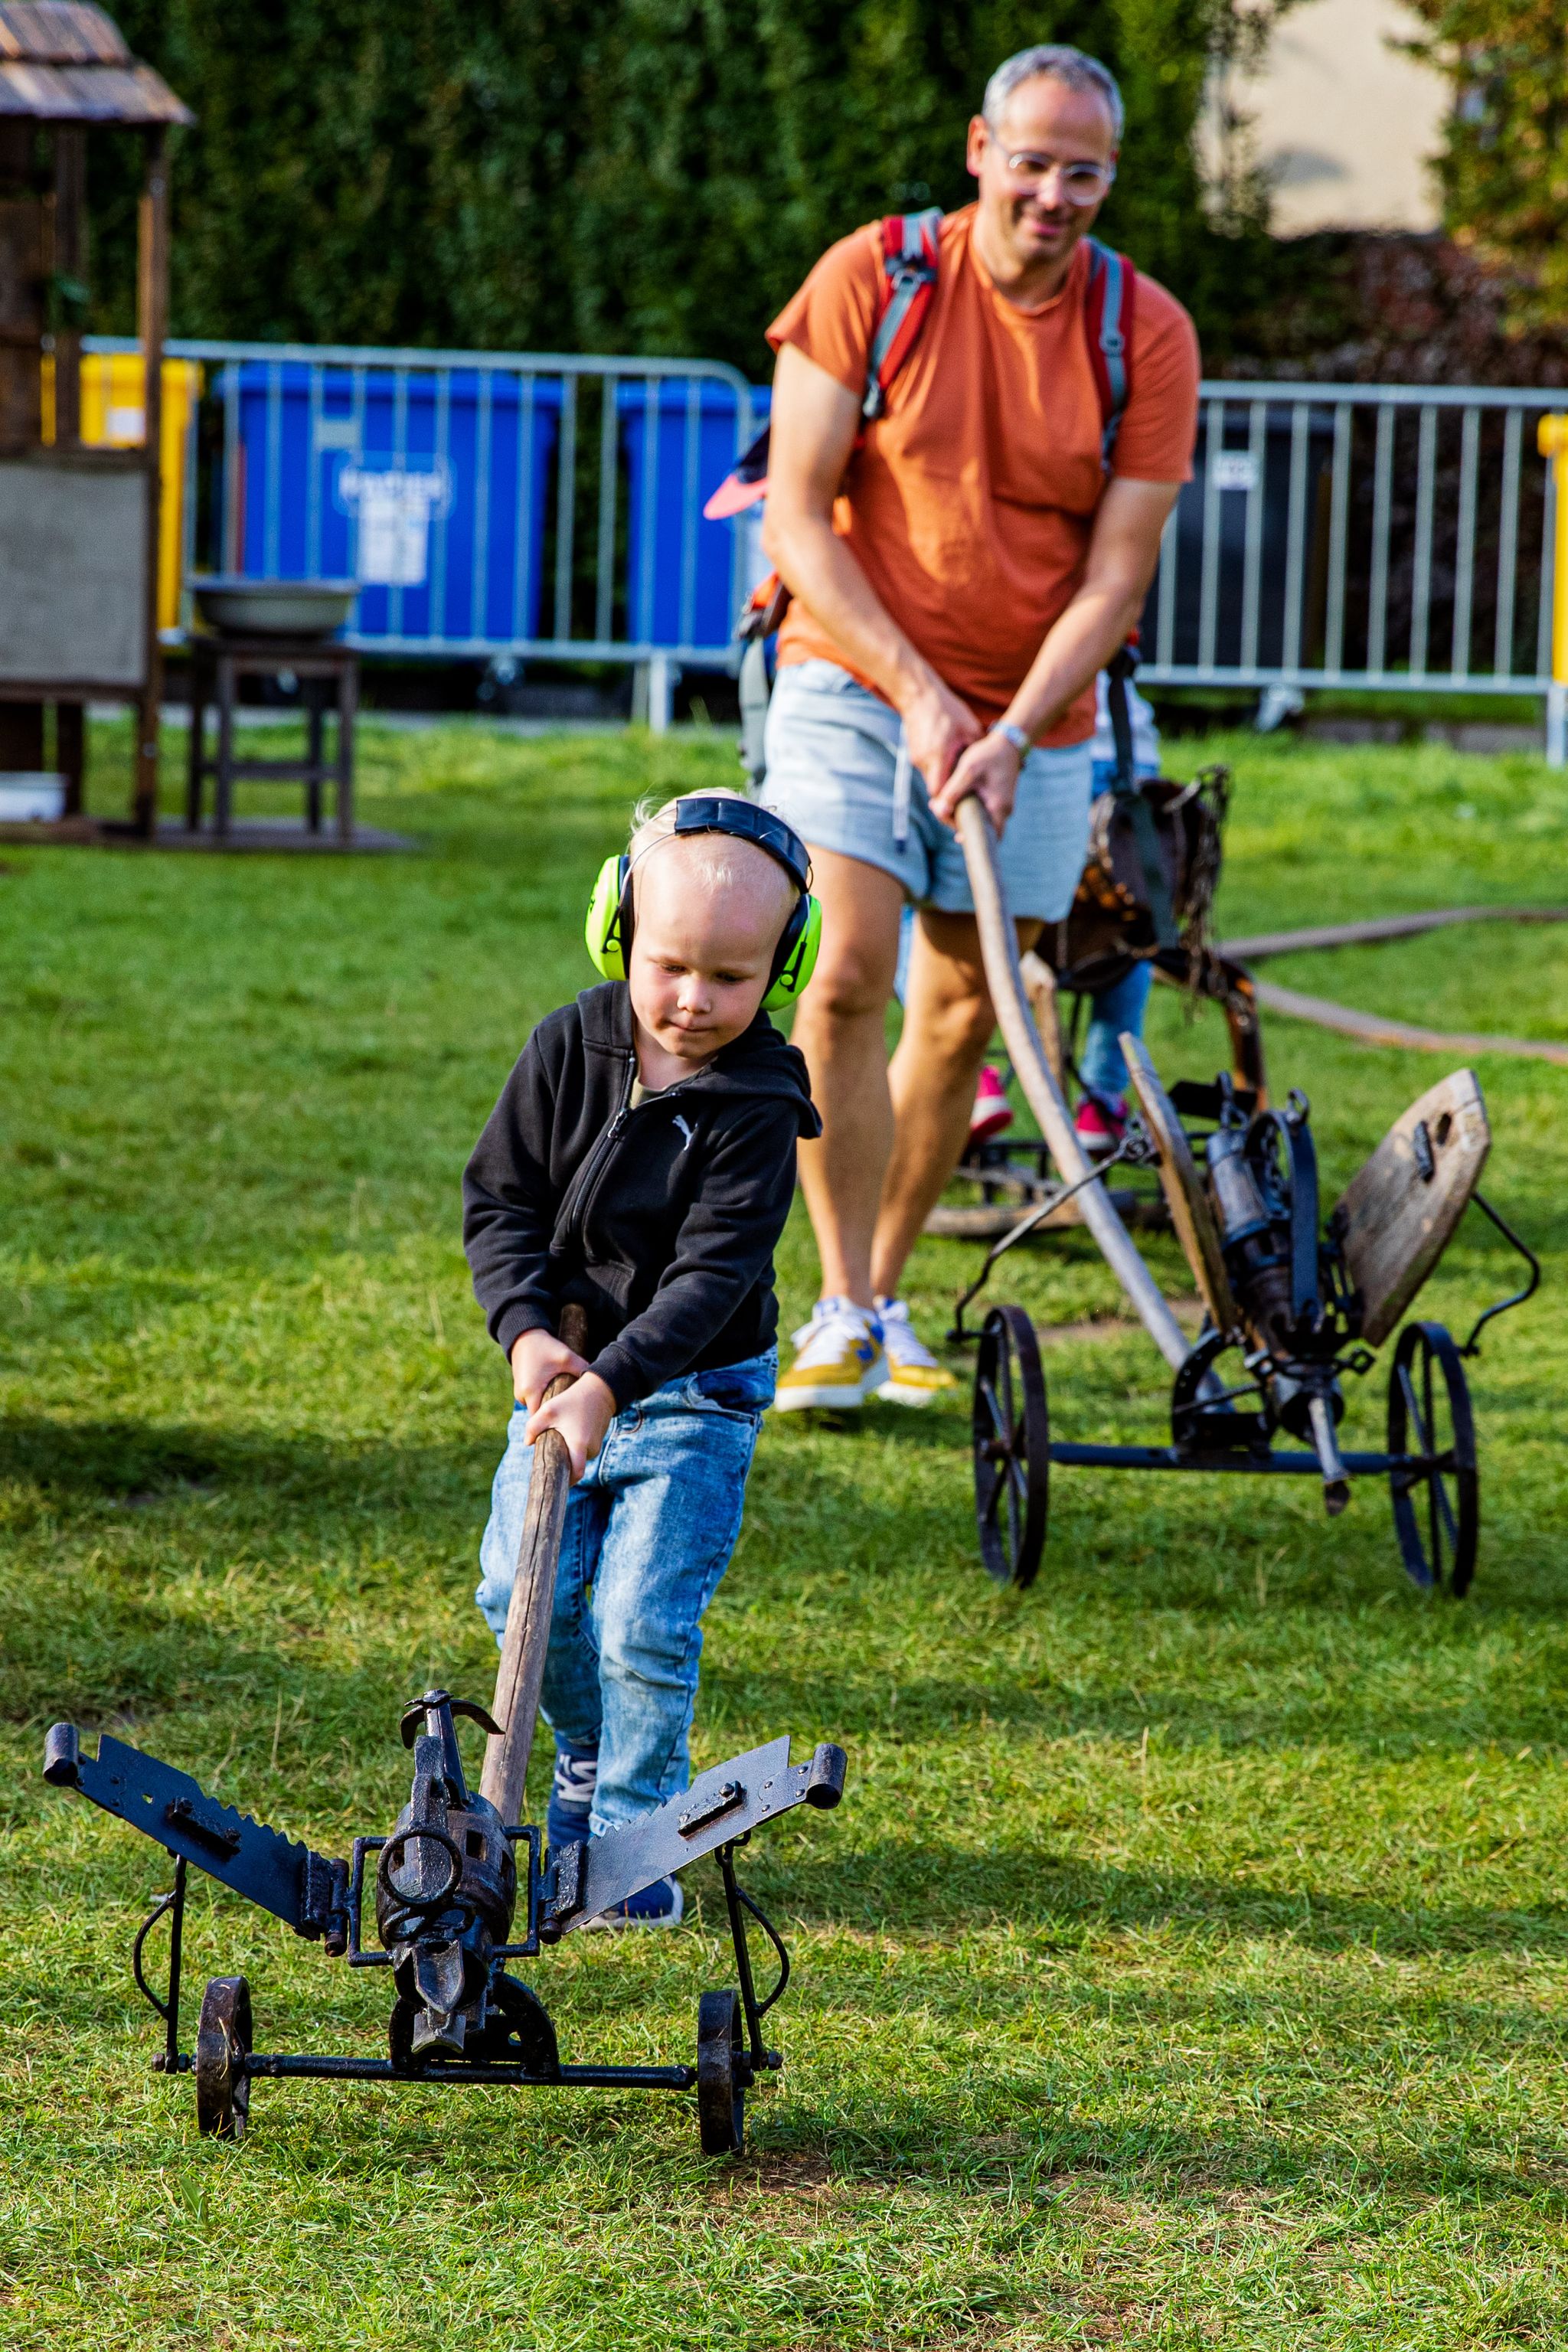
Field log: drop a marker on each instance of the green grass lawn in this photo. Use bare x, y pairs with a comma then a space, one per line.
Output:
1186, 1964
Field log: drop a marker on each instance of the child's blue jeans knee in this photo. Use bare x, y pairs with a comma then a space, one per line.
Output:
649, 1532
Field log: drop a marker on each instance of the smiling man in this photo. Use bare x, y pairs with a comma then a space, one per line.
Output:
962, 567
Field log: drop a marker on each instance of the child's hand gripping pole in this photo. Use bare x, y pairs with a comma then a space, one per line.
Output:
522, 1669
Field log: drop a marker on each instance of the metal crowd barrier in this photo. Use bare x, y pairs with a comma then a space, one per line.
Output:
520, 506
1391, 537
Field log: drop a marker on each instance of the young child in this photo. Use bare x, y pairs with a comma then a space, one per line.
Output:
640, 1163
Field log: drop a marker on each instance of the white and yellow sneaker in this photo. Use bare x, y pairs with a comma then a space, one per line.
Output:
914, 1376
838, 1361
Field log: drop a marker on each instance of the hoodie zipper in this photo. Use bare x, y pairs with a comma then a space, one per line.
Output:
592, 1174
570, 1215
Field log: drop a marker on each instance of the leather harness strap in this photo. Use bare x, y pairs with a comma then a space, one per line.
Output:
1129, 792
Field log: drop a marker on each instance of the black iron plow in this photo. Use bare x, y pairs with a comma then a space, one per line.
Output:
452, 1886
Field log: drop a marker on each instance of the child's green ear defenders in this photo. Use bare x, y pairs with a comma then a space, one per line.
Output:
608, 929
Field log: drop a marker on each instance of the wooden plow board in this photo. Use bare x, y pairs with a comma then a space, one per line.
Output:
1186, 1196
1394, 1220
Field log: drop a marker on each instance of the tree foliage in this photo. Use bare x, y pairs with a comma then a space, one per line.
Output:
650, 176
1504, 166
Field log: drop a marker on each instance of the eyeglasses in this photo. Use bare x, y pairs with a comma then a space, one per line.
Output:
1080, 183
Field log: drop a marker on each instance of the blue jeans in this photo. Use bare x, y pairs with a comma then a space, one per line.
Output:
649, 1530
1102, 1065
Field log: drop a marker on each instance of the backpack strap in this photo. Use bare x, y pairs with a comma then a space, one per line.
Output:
1106, 323
909, 285
755, 688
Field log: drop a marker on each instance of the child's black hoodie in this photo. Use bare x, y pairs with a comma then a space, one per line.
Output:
660, 1221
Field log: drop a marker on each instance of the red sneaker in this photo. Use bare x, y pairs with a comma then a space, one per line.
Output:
1099, 1127
991, 1112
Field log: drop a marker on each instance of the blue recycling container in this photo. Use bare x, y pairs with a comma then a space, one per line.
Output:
429, 487
679, 579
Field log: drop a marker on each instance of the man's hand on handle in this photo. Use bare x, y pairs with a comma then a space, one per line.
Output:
989, 769
940, 728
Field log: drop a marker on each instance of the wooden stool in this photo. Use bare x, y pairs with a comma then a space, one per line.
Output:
330, 673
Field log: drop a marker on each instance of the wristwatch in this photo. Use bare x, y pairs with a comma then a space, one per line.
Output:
1014, 735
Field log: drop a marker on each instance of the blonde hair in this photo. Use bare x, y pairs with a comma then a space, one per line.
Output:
654, 822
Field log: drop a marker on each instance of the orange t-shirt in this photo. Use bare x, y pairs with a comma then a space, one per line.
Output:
969, 503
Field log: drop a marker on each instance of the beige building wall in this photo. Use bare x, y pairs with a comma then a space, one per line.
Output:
1343, 123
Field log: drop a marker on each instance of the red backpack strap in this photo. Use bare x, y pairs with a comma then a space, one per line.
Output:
909, 284
1108, 324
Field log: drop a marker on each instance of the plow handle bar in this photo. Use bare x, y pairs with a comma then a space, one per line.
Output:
521, 1668
999, 952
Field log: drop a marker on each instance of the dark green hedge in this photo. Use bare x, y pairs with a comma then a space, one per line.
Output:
640, 175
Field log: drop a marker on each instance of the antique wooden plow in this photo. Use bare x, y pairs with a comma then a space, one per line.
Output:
1303, 1305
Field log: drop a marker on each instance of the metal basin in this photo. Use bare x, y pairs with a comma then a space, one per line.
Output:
31, 795
273, 608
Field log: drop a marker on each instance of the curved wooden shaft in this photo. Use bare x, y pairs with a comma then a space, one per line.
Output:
999, 952
522, 1669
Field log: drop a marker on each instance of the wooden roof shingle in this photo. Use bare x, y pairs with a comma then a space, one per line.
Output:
67, 61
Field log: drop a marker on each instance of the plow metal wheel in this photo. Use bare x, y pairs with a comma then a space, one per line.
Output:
720, 2075
1436, 1510
1011, 1441
223, 2046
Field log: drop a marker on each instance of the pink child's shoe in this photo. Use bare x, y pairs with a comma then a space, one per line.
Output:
1099, 1128
991, 1112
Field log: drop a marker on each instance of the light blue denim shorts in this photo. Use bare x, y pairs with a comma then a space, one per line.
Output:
835, 772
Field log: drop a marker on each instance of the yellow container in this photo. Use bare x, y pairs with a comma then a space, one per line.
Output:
1551, 440
114, 417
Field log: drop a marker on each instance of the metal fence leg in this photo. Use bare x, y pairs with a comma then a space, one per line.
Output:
1552, 437
661, 677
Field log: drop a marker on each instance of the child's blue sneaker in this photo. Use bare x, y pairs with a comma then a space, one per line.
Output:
658, 1906
571, 1794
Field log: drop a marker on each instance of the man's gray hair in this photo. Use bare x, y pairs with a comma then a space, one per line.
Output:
1063, 64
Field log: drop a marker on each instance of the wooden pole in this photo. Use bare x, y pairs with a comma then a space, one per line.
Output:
526, 1637
1041, 988
69, 261
999, 951
151, 308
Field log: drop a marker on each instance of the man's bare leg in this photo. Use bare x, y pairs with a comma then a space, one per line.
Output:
948, 1024
841, 1028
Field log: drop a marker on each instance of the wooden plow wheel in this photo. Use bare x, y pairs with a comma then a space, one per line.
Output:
1012, 1448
